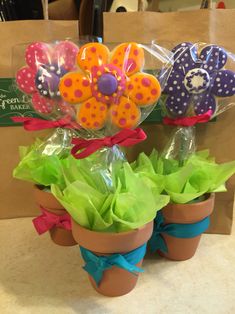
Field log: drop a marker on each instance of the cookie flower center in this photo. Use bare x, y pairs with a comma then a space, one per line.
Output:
47, 80
107, 84
197, 81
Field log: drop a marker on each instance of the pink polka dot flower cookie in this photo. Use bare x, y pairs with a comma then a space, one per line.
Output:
110, 88
46, 64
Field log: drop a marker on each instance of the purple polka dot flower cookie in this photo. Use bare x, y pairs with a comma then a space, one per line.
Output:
46, 65
198, 80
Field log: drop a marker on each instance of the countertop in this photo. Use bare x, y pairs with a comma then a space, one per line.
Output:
37, 276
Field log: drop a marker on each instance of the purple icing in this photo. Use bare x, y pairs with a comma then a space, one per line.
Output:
47, 80
107, 84
196, 78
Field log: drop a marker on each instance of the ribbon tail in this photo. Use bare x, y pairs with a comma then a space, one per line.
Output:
41, 224
157, 243
95, 272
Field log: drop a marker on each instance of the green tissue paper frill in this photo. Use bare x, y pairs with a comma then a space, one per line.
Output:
88, 198
199, 175
38, 168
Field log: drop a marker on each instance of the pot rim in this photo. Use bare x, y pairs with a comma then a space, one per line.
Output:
113, 234
209, 197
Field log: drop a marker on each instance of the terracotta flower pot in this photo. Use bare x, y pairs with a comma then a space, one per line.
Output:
180, 249
115, 281
47, 200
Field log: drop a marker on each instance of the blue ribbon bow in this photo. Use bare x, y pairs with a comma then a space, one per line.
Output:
175, 230
96, 265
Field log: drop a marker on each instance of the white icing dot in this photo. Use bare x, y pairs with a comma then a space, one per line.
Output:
226, 74
44, 92
216, 54
233, 89
58, 93
177, 76
186, 54
171, 88
180, 111
58, 72
52, 68
183, 94
175, 82
185, 104
220, 90
178, 87
227, 92
218, 85
178, 99
40, 86
205, 66
176, 107
218, 79
210, 107
225, 85
186, 65
210, 67
202, 110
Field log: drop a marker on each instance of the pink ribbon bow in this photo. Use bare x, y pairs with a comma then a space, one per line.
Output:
48, 220
36, 124
126, 137
189, 121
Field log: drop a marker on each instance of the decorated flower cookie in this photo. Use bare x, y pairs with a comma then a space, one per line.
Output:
110, 87
46, 64
198, 80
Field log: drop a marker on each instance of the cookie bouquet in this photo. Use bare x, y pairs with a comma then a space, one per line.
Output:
99, 103
200, 87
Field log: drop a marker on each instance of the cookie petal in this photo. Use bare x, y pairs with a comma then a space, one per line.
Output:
175, 83
126, 114
92, 114
143, 89
42, 105
25, 80
75, 88
203, 103
65, 55
185, 57
36, 54
224, 84
178, 104
213, 57
92, 54
129, 57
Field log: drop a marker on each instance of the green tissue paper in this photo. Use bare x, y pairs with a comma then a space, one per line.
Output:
129, 204
200, 174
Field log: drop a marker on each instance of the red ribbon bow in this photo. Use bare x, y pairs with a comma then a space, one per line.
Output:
48, 220
36, 124
189, 121
123, 138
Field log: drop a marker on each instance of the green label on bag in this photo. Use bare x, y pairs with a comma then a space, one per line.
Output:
15, 103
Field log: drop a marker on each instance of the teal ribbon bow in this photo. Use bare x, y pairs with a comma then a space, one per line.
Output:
96, 265
184, 231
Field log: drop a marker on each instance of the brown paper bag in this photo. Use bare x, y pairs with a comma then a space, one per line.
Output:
16, 198
212, 26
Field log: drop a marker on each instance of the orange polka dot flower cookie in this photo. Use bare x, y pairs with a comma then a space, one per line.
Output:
110, 88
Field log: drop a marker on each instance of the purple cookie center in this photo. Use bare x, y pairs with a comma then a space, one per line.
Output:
47, 80
107, 84
197, 81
